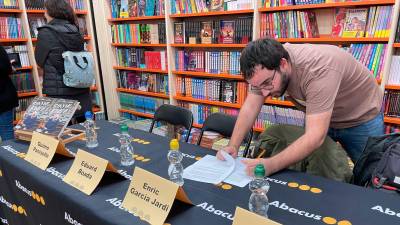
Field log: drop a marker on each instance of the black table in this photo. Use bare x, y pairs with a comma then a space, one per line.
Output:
29, 195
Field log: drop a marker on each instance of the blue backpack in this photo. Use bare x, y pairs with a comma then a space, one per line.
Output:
78, 66
79, 72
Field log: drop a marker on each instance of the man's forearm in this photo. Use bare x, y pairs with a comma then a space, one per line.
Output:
247, 115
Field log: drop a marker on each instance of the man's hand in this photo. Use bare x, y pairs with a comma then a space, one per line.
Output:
230, 150
252, 163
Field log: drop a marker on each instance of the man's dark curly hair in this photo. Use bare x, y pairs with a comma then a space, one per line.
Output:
266, 52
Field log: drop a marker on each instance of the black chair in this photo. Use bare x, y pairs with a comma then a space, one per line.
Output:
173, 115
224, 125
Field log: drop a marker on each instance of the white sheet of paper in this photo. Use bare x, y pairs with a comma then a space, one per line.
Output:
238, 177
210, 170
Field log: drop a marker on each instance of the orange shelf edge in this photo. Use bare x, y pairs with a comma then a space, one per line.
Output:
392, 87
222, 104
279, 102
392, 120
39, 11
212, 75
146, 115
140, 69
136, 18
327, 5
27, 94
209, 45
88, 37
4, 40
196, 125
151, 94
11, 11
24, 68
327, 39
256, 129
396, 45
96, 109
137, 45
220, 13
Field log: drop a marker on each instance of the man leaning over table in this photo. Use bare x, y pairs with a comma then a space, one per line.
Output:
339, 95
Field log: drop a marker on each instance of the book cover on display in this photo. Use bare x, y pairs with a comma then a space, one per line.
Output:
48, 116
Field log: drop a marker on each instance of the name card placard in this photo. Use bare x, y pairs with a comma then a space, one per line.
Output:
151, 197
42, 149
86, 171
245, 217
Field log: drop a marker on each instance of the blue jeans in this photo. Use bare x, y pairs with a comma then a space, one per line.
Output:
354, 139
6, 125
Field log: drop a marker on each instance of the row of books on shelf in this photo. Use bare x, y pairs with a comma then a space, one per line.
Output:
391, 128
216, 62
148, 82
289, 24
141, 58
140, 104
9, 4
211, 89
198, 6
270, 115
136, 8
201, 112
39, 4
23, 81
348, 23
397, 37
18, 54
10, 27
370, 55
275, 3
36, 21
391, 106
394, 78
238, 30
23, 105
139, 33
362, 22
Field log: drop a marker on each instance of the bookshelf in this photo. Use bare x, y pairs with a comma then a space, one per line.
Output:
24, 13
105, 21
324, 13
328, 5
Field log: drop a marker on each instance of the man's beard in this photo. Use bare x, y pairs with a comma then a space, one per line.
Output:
284, 84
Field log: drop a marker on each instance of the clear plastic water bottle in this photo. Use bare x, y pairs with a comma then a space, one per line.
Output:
91, 135
126, 149
258, 202
175, 169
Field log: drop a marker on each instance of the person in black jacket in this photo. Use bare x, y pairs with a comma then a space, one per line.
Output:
59, 35
8, 97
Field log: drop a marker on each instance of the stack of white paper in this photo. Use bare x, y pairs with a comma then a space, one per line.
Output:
211, 170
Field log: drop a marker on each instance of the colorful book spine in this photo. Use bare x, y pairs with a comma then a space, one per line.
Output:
212, 89
148, 82
141, 104
215, 62
9, 4
23, 81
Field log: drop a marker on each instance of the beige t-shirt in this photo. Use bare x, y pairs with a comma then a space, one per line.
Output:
326, 77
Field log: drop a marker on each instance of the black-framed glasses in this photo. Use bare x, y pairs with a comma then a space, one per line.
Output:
266, 84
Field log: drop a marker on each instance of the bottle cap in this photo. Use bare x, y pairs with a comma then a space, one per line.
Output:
124, 128
259, 171
88, 115
174, 144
